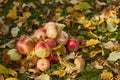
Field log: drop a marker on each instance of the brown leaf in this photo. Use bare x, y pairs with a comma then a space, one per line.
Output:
1, 77
79, 63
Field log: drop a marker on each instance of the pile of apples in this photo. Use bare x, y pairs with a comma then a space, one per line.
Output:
48, 37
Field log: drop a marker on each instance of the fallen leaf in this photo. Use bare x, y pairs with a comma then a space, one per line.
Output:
69, 9
92, 42
105, 75
79, 63
74, 1
12, 13
111, 26
4, 70
10, 44
59, 73
15, 31
97, 65
91, 34
43, 77
27, 14
94, 53
108, 45
1, 77
114, 56
11, 79
85, 5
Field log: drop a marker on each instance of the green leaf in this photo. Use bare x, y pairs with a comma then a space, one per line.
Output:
85, 5
114, 56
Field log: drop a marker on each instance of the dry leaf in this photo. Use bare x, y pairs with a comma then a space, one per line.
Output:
27, 14
59, 73
105, 75
43, 77
108, 45
91, 34
97, 65
1, 77
74, 1
4, 29
4, 70
69, 9
12, 13
10, 44
79, 63
114, 56
94, 53
11, 79
15, 31
92, 42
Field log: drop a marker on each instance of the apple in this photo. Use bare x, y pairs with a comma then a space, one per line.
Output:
51, 42
40, 33
62, 37
14, 54
25, 45
53, 58
72, 44
42, 50
51, 30
43, 64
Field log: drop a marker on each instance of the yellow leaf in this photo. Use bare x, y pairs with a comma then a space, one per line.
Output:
4, 70
11, 79
13, 13
77, 7
101, 21
27, 14
94, 53
12, 72
106, 75
69, 9
92, 35
92, 42
59, 73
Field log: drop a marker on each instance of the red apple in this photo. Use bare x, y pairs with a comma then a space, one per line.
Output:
43, 64
62, 37
25, 44
42, 50
72, 44
51, 42
40, 33
53, 58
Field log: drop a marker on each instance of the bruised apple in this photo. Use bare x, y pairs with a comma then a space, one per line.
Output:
42, 50
62, 37
72, 44
40, 33
53, 58
51, 42
51, 30
25, 44
43, 64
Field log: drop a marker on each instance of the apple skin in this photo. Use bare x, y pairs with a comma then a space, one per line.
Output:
62, 37
25, 45
53, 58
40, 33
51, 30
43, 64
72, 44
51, 42
42, 50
